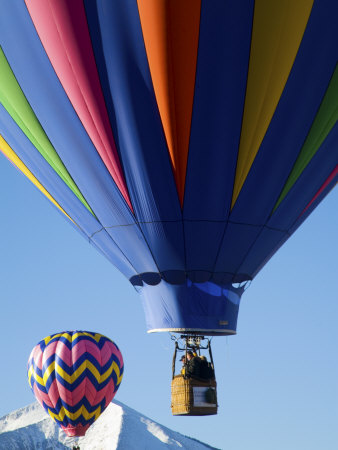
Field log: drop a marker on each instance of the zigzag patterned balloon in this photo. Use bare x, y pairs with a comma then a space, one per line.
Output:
74, 375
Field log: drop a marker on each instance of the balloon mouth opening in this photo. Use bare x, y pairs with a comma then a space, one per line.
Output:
75, 431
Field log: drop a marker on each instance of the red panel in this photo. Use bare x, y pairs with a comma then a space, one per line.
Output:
333, 174
62, 28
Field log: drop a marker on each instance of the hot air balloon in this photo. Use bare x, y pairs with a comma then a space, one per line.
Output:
185, 140
75, 375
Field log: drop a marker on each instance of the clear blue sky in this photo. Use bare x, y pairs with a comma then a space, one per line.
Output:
277, 379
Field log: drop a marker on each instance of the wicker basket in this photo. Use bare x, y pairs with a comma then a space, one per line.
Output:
193, 397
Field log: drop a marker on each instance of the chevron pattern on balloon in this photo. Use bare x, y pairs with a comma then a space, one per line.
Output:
74, 376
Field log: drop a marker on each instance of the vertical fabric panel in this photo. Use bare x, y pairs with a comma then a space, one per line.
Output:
9, 153
293, 118
222, 64
65, 131
308, 183
278, 29
120, 52
326, 118
62, 28
330, 180
86, 222
13, 99
292, 211
170, 29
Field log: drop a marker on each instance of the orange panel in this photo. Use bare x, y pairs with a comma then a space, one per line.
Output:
170, 31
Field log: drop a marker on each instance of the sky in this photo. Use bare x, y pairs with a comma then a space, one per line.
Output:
277, 379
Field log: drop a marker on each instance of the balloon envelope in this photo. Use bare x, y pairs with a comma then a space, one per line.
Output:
185, 140
74, 375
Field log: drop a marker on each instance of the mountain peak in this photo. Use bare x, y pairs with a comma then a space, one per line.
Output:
119, 427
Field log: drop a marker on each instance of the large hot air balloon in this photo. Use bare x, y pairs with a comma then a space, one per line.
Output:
186, 140
74, 375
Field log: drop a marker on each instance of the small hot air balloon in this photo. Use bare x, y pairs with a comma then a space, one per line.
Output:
74, 375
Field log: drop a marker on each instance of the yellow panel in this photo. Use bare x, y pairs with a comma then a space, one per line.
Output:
9, 153
278, 29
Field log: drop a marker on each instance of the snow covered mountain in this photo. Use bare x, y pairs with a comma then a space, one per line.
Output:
119, 427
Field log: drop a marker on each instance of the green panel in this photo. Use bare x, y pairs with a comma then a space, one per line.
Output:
16, 104
324, 121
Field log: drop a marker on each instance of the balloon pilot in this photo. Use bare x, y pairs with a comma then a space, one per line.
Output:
194, 364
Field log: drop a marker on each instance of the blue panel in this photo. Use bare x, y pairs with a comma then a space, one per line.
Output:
222, 66
314, 205
121, 57
294, 115
87, 223
283, 141
196, 306
265, 244
46, 175
288, 216
308, 184
202, 240
235, 246
37, 79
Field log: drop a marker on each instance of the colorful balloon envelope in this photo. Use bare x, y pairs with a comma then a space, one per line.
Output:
186, 140
74, 375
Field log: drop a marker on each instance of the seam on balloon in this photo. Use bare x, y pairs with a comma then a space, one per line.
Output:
191, 221
83, 96
49, 159
243, 107
189, 140
116, 174
280, 200
253, 244
323, 187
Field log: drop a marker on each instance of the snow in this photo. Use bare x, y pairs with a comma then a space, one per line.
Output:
119, 427
22, 418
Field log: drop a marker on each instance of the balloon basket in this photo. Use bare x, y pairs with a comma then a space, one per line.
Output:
193, 394
191, 397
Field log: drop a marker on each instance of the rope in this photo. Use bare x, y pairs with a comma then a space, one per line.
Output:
174, 360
